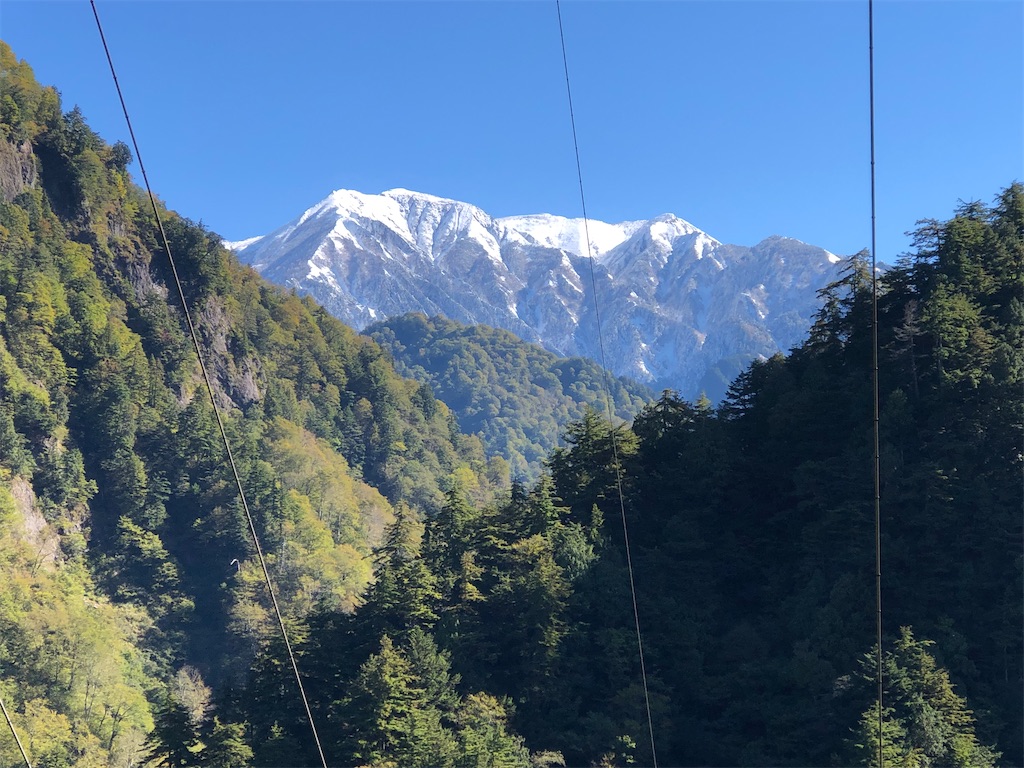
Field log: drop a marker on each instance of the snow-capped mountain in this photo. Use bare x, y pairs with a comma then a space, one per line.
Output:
678, 308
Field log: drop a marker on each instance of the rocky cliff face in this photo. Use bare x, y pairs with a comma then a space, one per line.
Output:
17, 169
678, 308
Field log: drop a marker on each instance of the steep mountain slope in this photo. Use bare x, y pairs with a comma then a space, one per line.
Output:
752, 553
679, 309
517, 397
123, 547
493, 627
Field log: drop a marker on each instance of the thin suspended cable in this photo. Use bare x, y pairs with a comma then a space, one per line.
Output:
209, 389
10, 724
874, 380
607, 398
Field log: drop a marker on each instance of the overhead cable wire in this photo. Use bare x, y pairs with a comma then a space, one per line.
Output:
607, 398
874, 380
210, 391
14, 732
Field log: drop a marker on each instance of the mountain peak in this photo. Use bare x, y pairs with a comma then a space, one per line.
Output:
668, 227
400, 193
671, 218
546, 230
679, 306
774, 242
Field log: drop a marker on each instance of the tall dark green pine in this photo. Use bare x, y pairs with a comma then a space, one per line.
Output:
925, 722
584, 472
389, 718
174, 740
404, 593
447, 538
225, 746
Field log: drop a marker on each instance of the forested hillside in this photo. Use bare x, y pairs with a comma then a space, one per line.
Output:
126, 557
441, 617
753, 546
515, 396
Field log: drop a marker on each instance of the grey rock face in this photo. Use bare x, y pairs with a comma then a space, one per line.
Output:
17, 169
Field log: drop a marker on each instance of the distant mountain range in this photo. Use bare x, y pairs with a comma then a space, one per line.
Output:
678, 308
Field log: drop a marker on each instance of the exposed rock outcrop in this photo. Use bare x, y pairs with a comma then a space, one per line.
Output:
17, 169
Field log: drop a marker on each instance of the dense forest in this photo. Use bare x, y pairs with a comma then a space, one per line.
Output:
517, 397
442, 614
753, 547
128, 564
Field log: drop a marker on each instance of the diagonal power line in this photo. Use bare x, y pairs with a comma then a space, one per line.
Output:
608, 399
14, 732
213, 399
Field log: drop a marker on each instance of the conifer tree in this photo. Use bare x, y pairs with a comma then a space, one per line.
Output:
174, 741
405, 592
925, 722
225, 746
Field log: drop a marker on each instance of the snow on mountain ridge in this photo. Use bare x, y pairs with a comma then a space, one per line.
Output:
237, 245
566, 234
679, 308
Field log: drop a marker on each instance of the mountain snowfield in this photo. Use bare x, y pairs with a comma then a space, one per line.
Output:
678, 308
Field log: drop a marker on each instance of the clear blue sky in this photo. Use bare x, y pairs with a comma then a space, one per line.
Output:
746, 118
